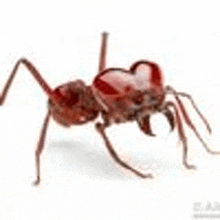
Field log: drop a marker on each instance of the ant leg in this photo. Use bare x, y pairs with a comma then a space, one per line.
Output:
101, 129
190, 123
35, 74
173, 91
182, 136
102, 58
196, 109
40, 147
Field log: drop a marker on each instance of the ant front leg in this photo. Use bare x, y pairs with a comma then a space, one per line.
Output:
182, 135
189, 121
101, 129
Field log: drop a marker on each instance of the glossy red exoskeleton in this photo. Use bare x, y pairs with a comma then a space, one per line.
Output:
119, 95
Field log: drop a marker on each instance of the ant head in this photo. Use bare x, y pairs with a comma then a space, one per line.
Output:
152, 71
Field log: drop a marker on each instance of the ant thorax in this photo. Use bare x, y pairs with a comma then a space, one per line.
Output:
77, 104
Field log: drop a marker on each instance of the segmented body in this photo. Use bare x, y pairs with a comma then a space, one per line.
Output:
119, 95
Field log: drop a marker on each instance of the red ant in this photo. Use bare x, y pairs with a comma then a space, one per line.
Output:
117, 94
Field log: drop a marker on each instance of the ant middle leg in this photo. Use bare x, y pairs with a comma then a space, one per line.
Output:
101, 129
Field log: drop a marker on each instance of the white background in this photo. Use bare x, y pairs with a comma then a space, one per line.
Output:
79, 179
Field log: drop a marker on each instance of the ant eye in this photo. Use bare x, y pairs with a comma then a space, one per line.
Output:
138, 99
153, 99
127, 89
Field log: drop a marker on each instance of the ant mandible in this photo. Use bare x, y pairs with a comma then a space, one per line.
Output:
119, 95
